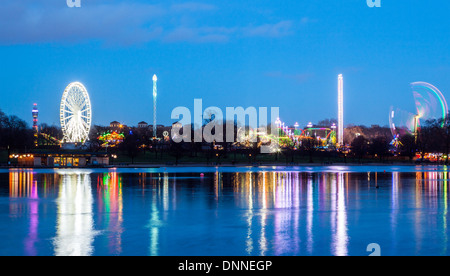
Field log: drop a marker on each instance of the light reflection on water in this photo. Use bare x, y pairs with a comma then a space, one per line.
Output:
75, 224
222, 213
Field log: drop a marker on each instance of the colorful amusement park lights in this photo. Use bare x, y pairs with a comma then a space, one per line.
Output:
294, 136
430, 103
111, 139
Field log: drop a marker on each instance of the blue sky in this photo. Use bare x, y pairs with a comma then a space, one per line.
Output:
262, 53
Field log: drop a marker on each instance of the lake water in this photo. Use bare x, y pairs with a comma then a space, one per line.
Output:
246, 211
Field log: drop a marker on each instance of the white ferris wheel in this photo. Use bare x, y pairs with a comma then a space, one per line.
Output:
75, 113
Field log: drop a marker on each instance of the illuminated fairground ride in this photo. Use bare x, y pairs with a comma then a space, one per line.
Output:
396, 142
294, 137
75, 113
288, 137
111, 139
247, 136
46, 139
430, 104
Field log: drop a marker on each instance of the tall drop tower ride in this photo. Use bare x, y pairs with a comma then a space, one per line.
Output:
340, 136
155, 94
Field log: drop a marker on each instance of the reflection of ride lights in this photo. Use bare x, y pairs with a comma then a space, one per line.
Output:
110, 201
74, 171
22, 184
75, 222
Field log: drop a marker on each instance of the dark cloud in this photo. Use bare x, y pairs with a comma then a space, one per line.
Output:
39, 21
119, 22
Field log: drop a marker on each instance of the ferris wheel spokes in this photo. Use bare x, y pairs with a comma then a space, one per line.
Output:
75, 113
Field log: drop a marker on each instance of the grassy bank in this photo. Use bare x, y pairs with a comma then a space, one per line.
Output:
246, 159
238, 159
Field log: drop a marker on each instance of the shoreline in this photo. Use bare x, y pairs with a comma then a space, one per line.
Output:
201, 165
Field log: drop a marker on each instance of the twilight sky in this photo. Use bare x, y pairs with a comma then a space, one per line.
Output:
258, 53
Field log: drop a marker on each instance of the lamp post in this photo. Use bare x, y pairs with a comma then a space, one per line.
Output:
310, 125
